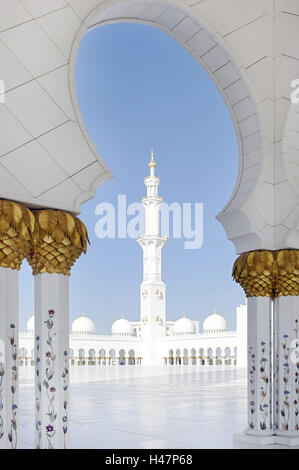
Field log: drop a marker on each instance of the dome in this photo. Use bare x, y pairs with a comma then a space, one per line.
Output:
30, 325
83, 326
184, 326
214, 322
122, 327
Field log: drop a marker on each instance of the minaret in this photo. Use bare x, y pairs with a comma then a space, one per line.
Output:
152, 289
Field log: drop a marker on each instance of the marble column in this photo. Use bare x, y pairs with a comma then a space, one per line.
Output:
58, 240
9, 340
286, 384
259, 382
52, 360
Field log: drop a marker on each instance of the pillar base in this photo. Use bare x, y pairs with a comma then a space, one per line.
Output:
287, 439
248, 438
244, 438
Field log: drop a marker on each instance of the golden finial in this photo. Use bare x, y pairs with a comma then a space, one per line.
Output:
152, 163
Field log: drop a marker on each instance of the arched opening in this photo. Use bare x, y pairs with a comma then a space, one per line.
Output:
228, 356
72, 357
218, 357
193, 356
122, 357
178, 360
23, 359
170, 357
202, 356
131, 358
185, 358
112, 357
210, 356
102, 357
91, 357
81, 358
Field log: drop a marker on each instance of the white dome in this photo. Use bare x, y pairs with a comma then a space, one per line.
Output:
214, 322
30, 325
184, 326
122, 327
83, 326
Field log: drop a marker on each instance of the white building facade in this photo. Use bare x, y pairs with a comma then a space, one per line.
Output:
153, 340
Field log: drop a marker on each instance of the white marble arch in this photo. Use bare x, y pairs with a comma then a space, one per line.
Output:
232, 40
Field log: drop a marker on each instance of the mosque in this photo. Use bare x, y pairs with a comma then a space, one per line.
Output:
153, 340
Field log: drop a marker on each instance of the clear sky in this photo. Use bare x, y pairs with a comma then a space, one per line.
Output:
137, 89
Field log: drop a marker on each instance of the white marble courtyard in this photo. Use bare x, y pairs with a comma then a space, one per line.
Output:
144, 407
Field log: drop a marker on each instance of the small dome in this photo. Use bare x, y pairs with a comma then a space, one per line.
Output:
30, 325
184, 326
122, 327
214, 322
83, 326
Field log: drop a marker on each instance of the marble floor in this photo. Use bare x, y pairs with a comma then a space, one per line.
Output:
143, 407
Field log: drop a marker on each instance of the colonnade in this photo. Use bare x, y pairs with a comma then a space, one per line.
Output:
51, 241
271, 282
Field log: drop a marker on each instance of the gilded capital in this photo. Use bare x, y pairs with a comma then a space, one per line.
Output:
59, 239
16, 229
268, 273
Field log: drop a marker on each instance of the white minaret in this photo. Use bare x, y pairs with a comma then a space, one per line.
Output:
152, 289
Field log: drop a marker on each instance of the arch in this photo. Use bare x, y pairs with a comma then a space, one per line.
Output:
102, 357
72, 356
178, 359
210, 356
226, 71
32, 356
202, 356
112, 357
170, 357
193, 356
81, 357
131, 358
23, 359
91, 357
228, 356
218, 356
122, 357
185, 357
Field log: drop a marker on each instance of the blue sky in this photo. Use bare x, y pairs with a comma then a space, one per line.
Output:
137, 89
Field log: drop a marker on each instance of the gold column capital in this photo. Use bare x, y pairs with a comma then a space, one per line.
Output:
59, 239
17, 224
268, 273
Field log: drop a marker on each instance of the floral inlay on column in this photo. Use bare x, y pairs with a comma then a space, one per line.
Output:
65, 399
2, 372
13, 432
264, 389
285, 410
252, 372
39, 388
49, 373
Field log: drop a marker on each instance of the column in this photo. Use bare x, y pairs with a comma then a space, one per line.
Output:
286, 348
58, 240
16, 228
259, 367
255, 272
51, 293
9, 347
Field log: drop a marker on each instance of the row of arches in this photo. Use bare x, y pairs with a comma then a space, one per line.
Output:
89, 357
219, 356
